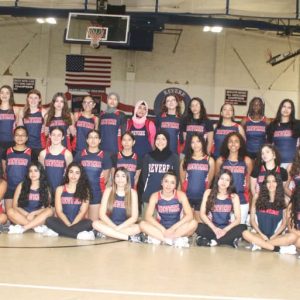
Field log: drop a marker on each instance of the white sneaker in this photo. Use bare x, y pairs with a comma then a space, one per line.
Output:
16, 229
181, 242
151, 240
40, 229
50, 232
86, 236
213, 243
255, 248
291, 249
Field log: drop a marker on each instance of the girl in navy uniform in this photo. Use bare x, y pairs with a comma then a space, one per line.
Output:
71, 206
197, 121
31, 205
59, 115
293, 174
225, 125
142, 128
119, 210
233, 157
197, 170
128, 159
15, 163
170, 121
32, 117
55, 158
284, 132
85, 121
268, 160
174, 222
97, 165
156, 164
8, 117
3, 188
112, 125
217, 227
255, 125
268, 218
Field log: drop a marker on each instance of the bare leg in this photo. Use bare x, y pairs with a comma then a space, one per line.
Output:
94, 212
3, 218
297, 243
152, 231
257, 240
197, 216
284, 240
39, 219
3, 188
16, 217
186, 229
8, 204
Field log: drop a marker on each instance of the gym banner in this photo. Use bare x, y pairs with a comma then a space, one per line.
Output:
236, 97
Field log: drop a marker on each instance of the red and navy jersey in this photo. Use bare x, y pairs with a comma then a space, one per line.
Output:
169, 212
219, 136
118, 214
130, 163
83, 126
220, 214
33, 201
284, 141
239, 172
7, 125
59, 122
171, 124
34, 124
94, 164
112, 126
17, 163
195, 182
142, 143
55, 166
70, 204
268, 219
255, 134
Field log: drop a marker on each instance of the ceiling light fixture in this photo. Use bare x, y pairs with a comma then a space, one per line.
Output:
215, 29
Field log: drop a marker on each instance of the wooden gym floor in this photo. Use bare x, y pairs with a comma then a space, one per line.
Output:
36, 267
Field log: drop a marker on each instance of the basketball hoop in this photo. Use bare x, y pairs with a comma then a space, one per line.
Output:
96, 34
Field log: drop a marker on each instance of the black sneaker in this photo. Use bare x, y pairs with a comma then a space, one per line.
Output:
137, 238
235, 243
202, 241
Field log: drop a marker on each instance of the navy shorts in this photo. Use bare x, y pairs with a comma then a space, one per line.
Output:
195, 203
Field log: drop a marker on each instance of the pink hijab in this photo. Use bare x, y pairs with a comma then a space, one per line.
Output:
139, 122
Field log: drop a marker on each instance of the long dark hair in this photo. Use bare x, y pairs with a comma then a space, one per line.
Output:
259, 161
215, 190
83, 191
164, 108
295, 168
220, 122
224, 148
263, 200
203, 114
250, 111
11, 96
190, 151
44, 189
295, 207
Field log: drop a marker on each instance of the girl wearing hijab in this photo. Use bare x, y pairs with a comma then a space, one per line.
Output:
156, 164
142, 128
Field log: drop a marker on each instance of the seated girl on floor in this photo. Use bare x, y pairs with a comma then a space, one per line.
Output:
268, 218
31, 202
174, 222
119, 209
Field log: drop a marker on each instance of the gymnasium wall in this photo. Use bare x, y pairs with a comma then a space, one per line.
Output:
204, 64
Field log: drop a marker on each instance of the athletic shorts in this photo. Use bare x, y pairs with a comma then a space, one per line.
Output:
195, 203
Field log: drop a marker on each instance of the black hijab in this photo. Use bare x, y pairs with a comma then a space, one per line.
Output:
166, 152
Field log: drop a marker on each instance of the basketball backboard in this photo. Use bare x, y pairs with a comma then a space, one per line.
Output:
117, 27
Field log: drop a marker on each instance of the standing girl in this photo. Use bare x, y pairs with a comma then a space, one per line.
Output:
31, 205
112, 125
71, 206
142, 128
15, 163
32, 117
284, 132
233, 157
119, 210
170, 121
55, 158
197, 121
59, 116
85, 121
225, 125
175, 217
197, 170
215, 212
268, 218
96, 165
255, 126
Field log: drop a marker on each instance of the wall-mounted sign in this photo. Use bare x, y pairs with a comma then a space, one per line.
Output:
236, 97
23, 86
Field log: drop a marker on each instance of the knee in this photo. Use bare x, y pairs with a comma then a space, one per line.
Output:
194, 224
10, 213
3, 218
142, 225
292, 238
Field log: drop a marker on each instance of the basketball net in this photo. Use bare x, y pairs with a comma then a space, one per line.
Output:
96, 35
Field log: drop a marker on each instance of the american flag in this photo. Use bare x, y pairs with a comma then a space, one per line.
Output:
88, 71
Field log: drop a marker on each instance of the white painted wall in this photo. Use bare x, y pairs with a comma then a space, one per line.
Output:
204, 64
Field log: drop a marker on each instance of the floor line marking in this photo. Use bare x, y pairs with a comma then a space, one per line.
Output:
128, 293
